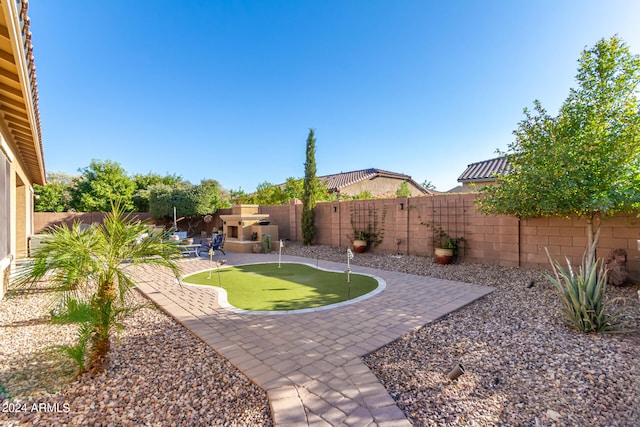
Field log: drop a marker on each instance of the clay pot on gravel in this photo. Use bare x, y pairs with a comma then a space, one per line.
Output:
359, 246
444, 256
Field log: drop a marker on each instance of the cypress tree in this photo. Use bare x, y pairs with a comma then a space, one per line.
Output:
309, 192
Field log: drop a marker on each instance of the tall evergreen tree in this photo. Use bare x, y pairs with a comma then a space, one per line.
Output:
309, 192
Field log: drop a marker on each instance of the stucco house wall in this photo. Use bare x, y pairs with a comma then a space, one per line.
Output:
21, 151
379, 186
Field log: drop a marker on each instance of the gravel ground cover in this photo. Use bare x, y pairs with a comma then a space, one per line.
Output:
159, 375
523, 366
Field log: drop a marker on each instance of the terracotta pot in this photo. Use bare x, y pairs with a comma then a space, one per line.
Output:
359, 246
444, 256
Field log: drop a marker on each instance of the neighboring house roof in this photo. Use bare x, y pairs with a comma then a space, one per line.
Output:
457, 189
338, 181
18, 88
485, 170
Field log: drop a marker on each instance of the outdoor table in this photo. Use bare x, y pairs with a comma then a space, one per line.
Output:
190, 249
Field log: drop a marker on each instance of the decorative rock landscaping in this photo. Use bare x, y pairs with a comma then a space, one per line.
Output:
159, 375
522, 365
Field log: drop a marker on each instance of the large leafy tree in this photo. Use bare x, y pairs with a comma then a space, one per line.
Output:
55, 195
235, 197
268, 194
293, 188
309, 191
143, 182
52, 197
101, 185
92, 270
586, 160
192, 202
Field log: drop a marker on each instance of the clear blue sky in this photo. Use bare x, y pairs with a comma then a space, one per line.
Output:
418, 87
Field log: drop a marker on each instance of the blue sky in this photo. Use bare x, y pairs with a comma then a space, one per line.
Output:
228, 90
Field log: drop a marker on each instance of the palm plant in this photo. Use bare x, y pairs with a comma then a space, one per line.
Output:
93, 271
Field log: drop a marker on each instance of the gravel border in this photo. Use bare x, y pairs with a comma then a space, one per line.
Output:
523, 366
159, 374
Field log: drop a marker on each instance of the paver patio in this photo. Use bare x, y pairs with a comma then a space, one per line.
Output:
310, 363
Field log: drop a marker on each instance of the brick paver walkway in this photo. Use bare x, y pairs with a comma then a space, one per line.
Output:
310, 363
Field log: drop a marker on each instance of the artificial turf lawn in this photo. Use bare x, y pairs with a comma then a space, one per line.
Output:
265, 287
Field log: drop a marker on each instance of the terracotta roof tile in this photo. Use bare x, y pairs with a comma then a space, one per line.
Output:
485, 170
337, 181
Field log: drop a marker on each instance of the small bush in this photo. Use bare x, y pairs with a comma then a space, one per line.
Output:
582, 295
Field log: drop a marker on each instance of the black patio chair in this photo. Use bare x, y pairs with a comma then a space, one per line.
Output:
217, 243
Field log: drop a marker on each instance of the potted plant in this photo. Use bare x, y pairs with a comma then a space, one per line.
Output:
367, 231
445, 253
447, 247
360, 244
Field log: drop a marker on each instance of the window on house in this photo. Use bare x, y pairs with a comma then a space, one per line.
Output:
5, 212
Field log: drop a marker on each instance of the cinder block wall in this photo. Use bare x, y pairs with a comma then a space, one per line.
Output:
44, 220
409, 223
488, 239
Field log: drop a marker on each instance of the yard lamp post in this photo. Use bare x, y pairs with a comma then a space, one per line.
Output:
280, 253
218, 263
349, 258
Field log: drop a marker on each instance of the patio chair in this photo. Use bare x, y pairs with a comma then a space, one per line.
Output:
217, 243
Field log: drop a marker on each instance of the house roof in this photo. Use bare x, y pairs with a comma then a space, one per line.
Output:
338, 181
485, 170
18, 88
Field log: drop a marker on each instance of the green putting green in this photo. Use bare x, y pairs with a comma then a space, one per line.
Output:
265, 287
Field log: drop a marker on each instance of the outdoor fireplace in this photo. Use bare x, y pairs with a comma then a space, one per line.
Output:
245, 226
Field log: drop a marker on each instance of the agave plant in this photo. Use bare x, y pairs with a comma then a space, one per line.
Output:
92, 270
583, 296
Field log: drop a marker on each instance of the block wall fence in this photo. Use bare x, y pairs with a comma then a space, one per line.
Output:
488, 239
44, 220
408, 223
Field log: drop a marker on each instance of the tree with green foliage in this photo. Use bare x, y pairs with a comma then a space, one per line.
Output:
236, 197
586, 160
267, 194
51, 197
428, 185
192, 202
206, 197
403, 190
101, 185
91, 271
309, 192
143, 182
293, 188
55, 195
